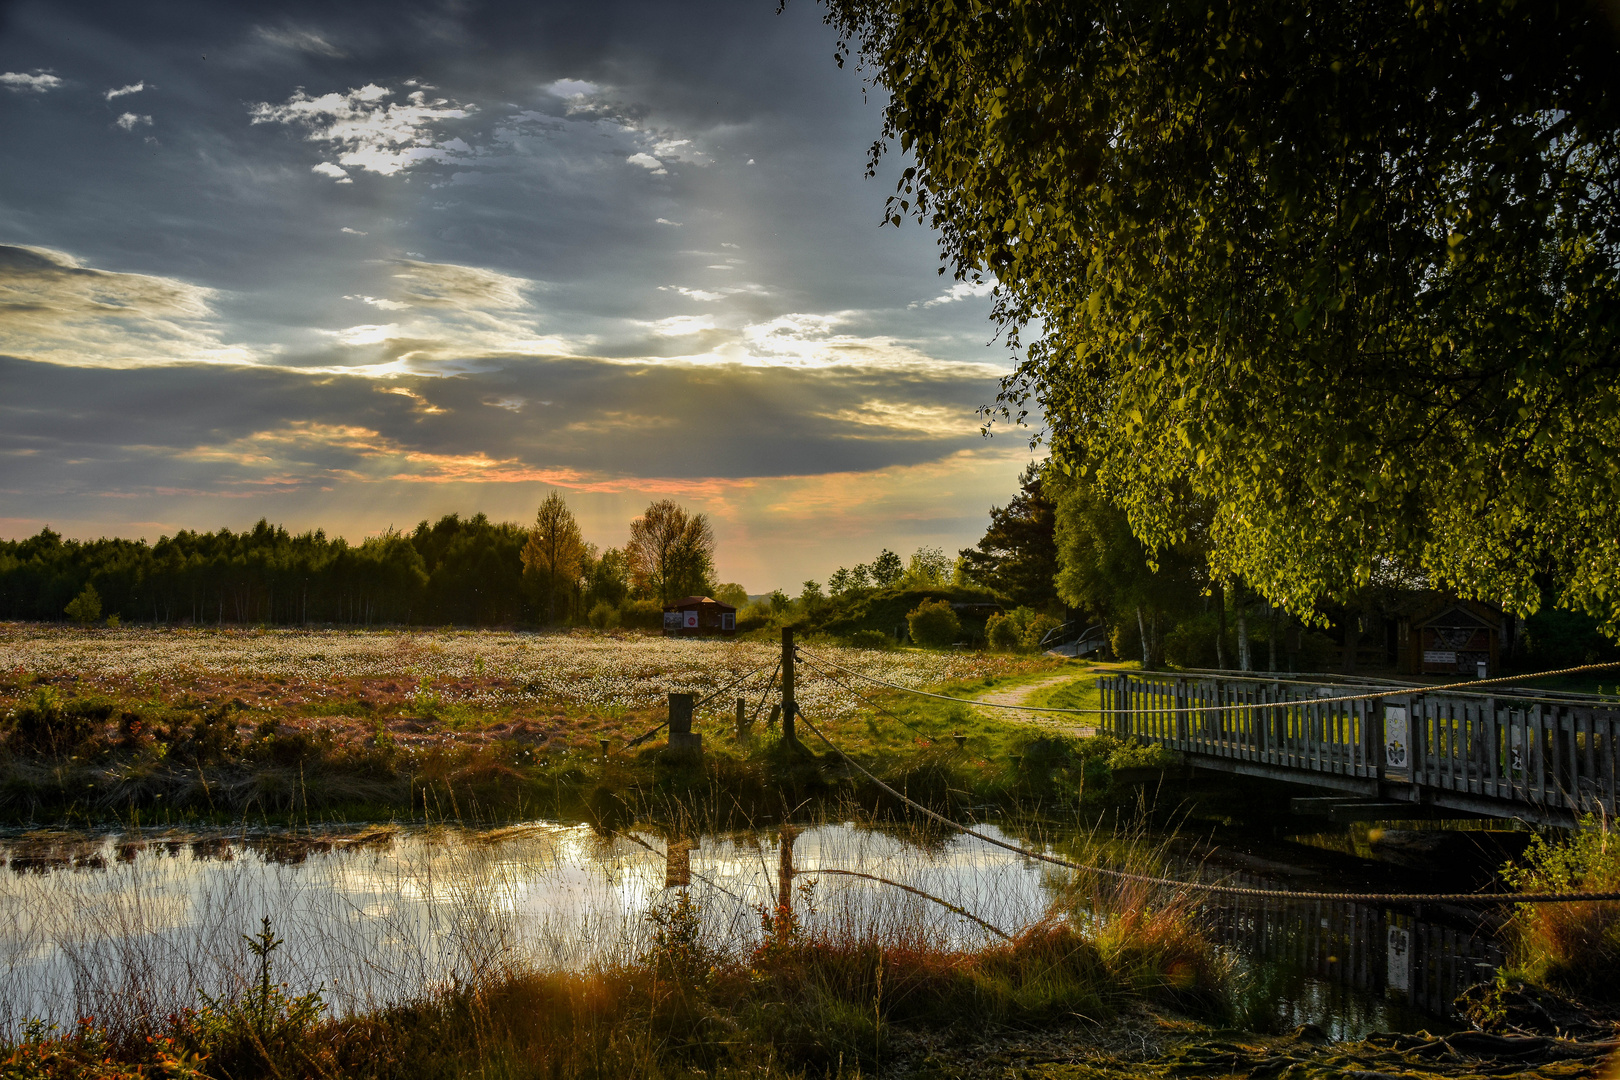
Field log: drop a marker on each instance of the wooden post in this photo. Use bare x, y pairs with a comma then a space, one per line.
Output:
784, 876
788, 704
742, 718
681, 736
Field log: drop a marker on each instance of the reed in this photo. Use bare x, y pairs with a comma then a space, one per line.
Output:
714, 978
1573, 947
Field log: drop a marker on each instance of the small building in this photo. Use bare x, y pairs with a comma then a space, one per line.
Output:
1461, 638
698, 615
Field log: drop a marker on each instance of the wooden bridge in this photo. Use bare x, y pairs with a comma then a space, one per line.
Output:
1543, 757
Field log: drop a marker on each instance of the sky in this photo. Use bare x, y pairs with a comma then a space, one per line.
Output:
353, 266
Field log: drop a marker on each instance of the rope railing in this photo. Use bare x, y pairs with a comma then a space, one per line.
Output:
1234, 707
1470, 899
696, 705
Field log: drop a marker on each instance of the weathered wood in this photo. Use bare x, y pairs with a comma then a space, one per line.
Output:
1464, 751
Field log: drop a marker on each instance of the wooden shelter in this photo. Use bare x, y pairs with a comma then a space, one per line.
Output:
699, 615
1460, 638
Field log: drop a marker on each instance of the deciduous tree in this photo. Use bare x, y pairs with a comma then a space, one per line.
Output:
1345, 270
671, 552
553, 556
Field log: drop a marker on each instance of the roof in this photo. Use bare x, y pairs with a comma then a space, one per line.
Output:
1463, 613
696, 602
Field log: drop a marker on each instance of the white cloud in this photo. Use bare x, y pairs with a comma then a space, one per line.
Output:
353, 232
129, 121
703, 295
962, 290
572, 88
326, 168
386, 305
38, 82
370, 132
132, 88
55, 310
647, 161
666, 221
682, 325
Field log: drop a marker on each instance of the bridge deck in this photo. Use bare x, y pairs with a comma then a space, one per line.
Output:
1542, 758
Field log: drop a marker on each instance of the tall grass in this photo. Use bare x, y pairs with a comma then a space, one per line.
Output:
1574, 946
423, 961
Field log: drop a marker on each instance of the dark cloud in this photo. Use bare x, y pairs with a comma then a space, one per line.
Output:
338, 245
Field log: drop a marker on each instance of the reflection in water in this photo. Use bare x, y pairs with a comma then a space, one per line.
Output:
122, 926
1349, 968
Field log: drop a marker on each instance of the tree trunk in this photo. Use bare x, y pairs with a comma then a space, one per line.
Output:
1220, 636
1244, 659
1141, 628
1271, 637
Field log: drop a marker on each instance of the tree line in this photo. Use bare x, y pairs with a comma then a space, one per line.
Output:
467, 571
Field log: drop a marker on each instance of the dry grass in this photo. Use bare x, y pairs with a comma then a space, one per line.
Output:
1573, 947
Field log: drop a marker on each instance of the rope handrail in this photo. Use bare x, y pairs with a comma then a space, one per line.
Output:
1233, 707
696, 705
1210, 887
946, 904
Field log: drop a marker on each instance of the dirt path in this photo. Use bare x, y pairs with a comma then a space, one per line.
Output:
1018, 695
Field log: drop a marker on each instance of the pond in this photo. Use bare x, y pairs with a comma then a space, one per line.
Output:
117, 926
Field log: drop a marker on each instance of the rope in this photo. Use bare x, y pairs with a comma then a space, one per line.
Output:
662, 724
1224, 890
1235, 707
966, 914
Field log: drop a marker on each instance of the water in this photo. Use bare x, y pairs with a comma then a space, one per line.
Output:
119, 926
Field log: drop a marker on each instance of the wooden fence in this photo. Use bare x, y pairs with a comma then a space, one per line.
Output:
1495, 754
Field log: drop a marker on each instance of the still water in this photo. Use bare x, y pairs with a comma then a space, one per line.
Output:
125, 925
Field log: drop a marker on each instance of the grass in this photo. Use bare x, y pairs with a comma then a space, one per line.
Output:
804, 993
186, 745
1573, 947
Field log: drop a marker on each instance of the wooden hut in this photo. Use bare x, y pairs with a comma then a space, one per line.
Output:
1460, 638
699, 615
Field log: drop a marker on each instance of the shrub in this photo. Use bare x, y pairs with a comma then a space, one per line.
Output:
1002, 633
871, 639
934, 624
1036, 628
1570, 946
643, 615
604, 616
86, 607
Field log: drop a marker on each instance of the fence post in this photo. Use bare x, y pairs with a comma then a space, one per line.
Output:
742, 718
682, 739
788, 704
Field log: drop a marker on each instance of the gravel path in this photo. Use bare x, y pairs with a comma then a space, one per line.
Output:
1018, 695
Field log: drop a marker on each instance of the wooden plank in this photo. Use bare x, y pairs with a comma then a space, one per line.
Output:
1493, 750
1537, 762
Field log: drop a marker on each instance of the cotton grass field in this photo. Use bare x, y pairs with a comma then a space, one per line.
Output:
366, 725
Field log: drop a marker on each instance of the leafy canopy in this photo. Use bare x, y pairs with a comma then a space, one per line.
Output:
1341, 273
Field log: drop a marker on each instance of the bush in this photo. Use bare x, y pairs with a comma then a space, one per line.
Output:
643, 615
934, 624
1002, 633
86, 607
871, 639
1574, 946
604, 616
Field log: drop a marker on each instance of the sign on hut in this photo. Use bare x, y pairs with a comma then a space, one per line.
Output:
698, 615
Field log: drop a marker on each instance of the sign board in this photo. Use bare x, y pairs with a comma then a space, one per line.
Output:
672, 620
1396, 740
1398, 961
1439, 656
691, 619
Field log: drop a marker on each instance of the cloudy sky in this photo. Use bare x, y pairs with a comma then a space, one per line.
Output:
356, 265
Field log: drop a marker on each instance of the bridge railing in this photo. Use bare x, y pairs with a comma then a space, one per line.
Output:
1560, 754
